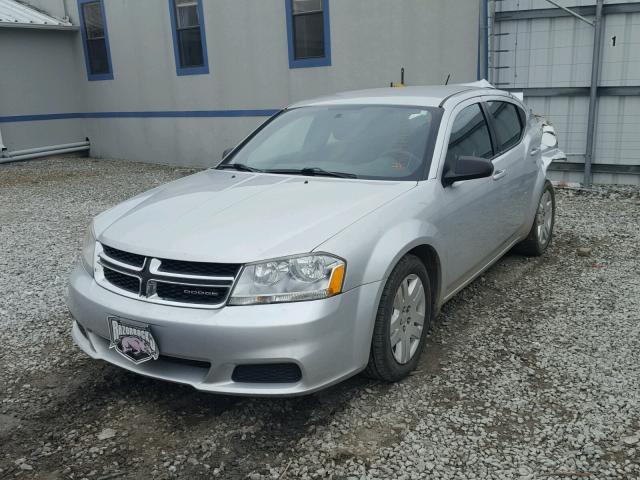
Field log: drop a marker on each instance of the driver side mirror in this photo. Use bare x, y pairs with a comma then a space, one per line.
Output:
226, 152
466, 168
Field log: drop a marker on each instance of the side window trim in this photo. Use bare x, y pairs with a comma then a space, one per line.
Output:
493, 130
452, 121
195, 70
325, 60
85, 44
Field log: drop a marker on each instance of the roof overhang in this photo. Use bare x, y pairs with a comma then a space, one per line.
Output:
19, 14
35, 26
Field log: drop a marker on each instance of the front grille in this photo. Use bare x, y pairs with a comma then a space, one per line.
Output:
124, 257
120, 280
191, 293
165, 281
199, 268
267, 373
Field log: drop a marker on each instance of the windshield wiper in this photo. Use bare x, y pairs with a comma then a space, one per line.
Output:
311, 171
239, 166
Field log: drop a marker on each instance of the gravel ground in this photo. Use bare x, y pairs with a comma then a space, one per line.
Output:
532, 372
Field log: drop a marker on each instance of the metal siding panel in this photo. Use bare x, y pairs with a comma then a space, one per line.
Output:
621, 63
511, 5
556, 52
618, 139
602, 178
543, 52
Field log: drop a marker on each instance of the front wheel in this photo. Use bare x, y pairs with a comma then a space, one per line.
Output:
402, 322
541, 232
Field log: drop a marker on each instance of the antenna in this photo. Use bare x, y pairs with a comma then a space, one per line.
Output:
446, 82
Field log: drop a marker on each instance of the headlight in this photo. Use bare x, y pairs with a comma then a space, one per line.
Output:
88, 250
294, 279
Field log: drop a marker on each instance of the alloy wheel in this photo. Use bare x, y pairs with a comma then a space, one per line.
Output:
407, 318
544, 218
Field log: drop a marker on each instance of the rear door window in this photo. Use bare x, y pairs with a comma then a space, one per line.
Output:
507, 120
470, 135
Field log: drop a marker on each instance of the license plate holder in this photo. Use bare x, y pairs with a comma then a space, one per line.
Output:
134, 342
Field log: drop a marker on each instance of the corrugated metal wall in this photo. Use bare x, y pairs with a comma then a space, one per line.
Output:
553, 54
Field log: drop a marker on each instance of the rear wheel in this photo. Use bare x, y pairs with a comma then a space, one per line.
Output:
541, 232
402, 322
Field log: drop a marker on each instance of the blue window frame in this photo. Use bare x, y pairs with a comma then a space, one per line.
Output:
308, 33
95, 39
189, 40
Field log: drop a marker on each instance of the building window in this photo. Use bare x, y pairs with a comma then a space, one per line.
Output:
189, 41
308, 33
95, 39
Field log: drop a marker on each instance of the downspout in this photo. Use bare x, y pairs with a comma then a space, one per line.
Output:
485, 16
491, 36
596, 67
482, 70
39, 152
482, 35
479, 59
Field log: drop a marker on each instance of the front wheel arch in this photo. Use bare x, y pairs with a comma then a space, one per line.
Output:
431, 260
382, 365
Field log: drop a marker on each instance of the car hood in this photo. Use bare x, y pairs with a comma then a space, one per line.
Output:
238, 217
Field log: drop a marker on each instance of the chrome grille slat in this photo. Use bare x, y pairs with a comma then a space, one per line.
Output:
155, 268
118, 263
170, 287
199, 269
126, 258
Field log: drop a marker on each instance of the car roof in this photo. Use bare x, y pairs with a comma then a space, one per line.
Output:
427, 96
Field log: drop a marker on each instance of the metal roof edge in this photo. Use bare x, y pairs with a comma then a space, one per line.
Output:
36, 26
19, 13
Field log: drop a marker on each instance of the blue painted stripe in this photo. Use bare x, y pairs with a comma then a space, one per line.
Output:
143, 114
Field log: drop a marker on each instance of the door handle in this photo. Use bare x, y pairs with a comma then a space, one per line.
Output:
534, 151
498, 174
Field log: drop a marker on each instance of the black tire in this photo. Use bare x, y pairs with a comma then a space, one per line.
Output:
382, 363
533, 246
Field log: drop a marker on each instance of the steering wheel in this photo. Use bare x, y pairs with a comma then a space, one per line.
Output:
402, 158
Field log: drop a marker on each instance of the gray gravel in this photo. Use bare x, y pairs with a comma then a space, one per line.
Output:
532, 372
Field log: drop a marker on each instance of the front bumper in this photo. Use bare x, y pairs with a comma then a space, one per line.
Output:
328, 339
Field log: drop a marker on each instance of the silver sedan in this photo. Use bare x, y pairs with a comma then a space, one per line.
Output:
323, 245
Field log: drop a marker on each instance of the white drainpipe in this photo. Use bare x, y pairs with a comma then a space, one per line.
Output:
38, 152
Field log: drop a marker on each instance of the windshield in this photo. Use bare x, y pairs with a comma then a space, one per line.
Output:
366, 141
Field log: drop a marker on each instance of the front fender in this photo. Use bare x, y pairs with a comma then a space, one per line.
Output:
374, 245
